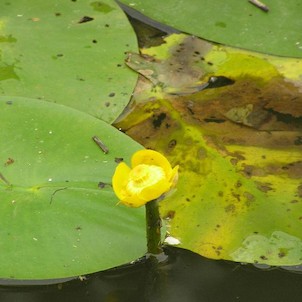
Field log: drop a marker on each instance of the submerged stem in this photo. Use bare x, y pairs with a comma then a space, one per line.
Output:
153, 228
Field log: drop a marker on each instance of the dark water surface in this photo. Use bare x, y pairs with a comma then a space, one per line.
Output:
183, 277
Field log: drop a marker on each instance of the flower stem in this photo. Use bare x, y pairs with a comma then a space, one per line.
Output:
153, 228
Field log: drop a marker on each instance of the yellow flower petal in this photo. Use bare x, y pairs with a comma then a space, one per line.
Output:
174, 176
120, 179
156, 190
150, 177
133, 201
151, 157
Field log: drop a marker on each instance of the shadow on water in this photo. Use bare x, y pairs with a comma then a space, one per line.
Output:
184, 276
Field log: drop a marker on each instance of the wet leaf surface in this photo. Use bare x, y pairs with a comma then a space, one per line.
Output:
59, 215
233, 23
239, 150
71, 53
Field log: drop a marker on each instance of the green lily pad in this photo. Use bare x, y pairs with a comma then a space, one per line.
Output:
70, 53
234, 23
59, 215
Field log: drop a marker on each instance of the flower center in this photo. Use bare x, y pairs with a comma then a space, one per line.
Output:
143, 176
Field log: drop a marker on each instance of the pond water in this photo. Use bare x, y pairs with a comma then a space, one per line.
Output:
183, 276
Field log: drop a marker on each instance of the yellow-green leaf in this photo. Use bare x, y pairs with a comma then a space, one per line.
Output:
238, 142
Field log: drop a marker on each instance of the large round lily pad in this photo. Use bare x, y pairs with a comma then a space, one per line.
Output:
59, 215
233, 22
69, 52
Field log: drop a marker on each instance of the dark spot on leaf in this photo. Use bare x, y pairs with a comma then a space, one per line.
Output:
230, 208
210, 63
112, 94
217, 249
170, 215
172, 143
102, 185
238, 184
250, 198
157, 120
220, 193
294, 201
107, 104
263, 257
107, 25
78, 228
219, 81
119, 65
286, 117
118, 160
101, 7
281, 254
294, 170
250, 170
214, 120
299, 191
9, 161
94, 41
85, 19
59, 55
9, 103
298, 141
188, 199
264, 187
58, 14
237, 196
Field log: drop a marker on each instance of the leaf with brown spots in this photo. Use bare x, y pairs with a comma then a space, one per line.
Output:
239, 149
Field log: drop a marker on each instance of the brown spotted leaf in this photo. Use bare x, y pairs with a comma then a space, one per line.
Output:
239, 147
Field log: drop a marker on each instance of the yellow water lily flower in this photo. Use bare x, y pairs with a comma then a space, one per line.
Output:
149, 177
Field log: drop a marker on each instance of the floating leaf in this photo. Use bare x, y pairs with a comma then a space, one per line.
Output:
235, 23
239, 149
177, 67
278, 246
71, 53
59, 215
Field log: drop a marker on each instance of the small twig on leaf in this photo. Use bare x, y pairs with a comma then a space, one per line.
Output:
100, 144
260, 5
